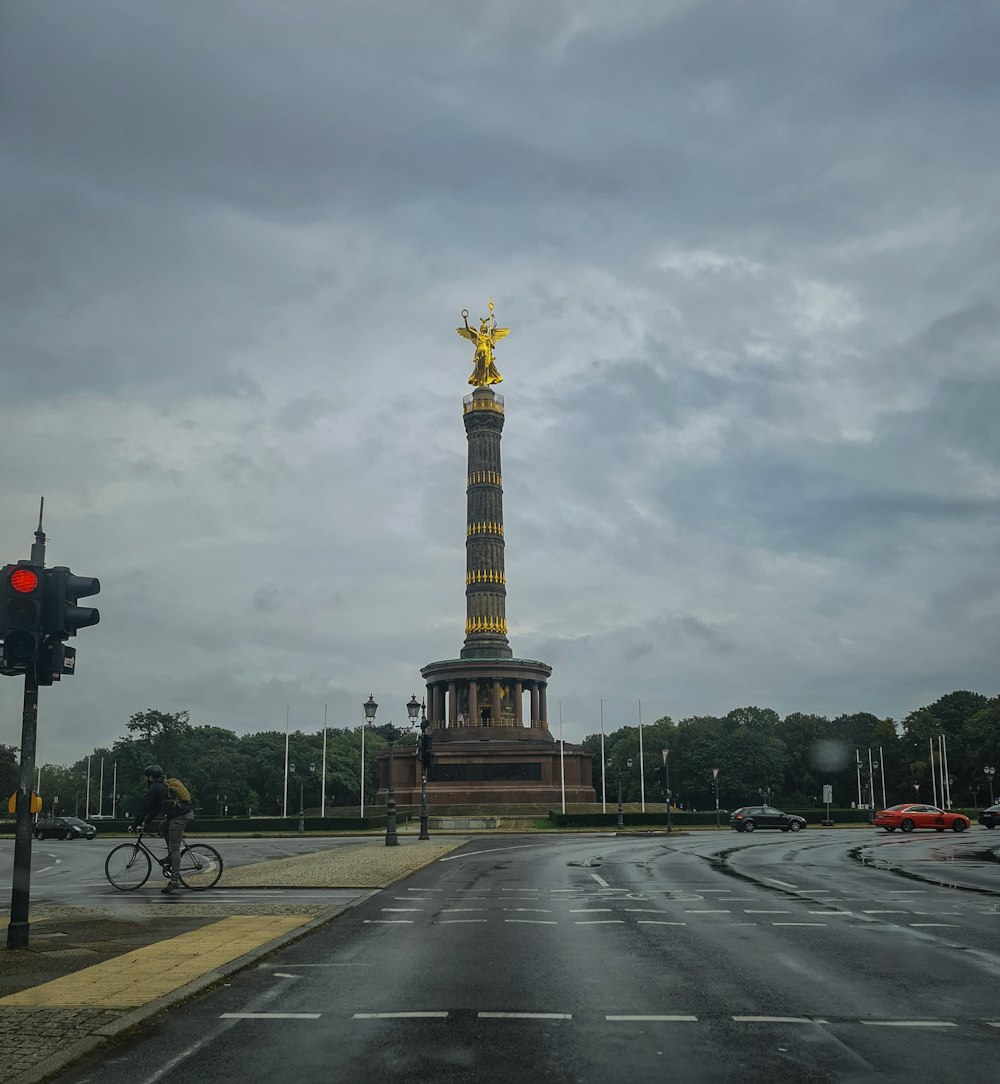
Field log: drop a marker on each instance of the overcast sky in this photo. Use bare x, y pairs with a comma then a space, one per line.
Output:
748, 254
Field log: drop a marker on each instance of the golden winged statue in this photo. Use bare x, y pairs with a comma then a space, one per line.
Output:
485, 371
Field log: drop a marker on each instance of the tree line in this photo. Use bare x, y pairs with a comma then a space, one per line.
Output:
787, 761
758, 755
228, 775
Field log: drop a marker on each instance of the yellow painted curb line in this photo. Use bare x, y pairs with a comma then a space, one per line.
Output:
141, 976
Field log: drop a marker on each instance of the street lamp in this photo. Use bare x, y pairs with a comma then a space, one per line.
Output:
423, 758
621, 772
370, 708
665, 753
989, 773
301, 778
391, 838
715, 781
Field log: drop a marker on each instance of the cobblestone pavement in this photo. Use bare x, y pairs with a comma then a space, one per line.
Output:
91, 974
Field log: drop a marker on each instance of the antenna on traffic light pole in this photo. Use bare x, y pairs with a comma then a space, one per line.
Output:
38, 546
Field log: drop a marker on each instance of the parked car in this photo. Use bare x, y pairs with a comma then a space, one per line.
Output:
909, 815
991, 816
749, 818
63, 828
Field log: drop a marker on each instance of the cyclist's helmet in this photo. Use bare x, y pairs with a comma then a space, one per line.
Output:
154, 771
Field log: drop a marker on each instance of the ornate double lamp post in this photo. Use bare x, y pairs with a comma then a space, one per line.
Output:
621, 771
370, 708
665, 753
423, 758
989, 773
301, 778
413, 708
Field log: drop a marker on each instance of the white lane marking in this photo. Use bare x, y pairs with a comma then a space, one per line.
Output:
886, 912
269, 1016
706, 911
404, 910
525, 1016
590, 910
598, 921
751, 911
425, 890
798, 923
283, 975
388, 922
993, 1023
909, 1024
655, 922
530, 910
782, 884
399, 1016
843, 914
773, 1019
454, 921
458, 910
534, 921
600, 880
656, 1019
937, 925
644, 911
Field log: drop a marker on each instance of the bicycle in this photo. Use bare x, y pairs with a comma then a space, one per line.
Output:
129, 865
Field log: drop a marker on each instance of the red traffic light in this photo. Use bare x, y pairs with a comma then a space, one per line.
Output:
24, 580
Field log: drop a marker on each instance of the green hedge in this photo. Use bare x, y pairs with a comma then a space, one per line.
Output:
246, 826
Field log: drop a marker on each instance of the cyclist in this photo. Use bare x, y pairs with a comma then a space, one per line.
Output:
155, 801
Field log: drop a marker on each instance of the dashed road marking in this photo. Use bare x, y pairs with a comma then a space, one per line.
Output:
773, 1019
534, 921
399, 1015
667, 1019
269, 1016
908, 1023
525, 1016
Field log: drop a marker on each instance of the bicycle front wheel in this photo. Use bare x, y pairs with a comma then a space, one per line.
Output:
201, 867
127, 867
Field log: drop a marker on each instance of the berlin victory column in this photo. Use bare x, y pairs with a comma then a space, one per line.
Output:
488, 711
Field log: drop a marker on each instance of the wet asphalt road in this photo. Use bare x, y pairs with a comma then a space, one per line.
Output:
711, 957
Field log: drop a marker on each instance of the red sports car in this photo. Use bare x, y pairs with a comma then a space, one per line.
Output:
910, 815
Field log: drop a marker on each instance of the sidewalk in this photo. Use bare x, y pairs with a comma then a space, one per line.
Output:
90, 975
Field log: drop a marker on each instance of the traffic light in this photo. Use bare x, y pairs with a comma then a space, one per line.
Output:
23, 596
425, 750
63, 590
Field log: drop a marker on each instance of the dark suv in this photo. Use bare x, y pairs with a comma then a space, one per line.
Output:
748, 818
991, 816
63, 828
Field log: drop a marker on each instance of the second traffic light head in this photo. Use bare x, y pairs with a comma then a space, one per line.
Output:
62, 592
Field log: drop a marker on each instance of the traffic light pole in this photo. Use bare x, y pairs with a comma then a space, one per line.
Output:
17, 929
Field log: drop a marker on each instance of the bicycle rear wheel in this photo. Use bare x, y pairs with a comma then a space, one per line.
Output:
201, 867
127, 867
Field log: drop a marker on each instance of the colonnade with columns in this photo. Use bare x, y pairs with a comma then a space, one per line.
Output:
459, 702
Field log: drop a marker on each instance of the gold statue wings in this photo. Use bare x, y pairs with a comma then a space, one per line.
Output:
484, 370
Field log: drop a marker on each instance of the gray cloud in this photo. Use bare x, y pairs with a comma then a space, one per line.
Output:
748, 256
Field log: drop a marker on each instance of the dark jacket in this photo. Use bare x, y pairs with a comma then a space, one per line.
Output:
155, 801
